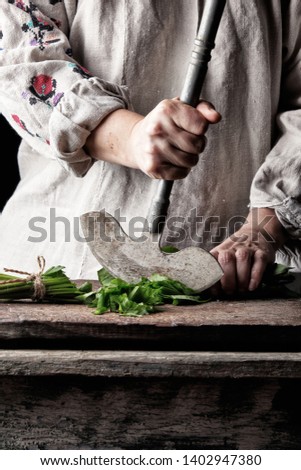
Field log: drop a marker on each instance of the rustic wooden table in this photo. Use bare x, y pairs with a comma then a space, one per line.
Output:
223, 375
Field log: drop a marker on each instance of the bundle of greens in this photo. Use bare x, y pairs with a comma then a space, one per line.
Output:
56, 286
116, 295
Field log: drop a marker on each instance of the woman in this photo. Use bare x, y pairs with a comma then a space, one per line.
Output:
77, 79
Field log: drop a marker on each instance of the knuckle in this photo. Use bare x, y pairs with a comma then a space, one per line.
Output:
152, 149
154, 128
225, 256
261, 255
206, 104
199, 123
165, 107
152, 166
242, 254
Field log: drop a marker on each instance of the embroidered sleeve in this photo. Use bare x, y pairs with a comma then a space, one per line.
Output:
277, 183
51, 100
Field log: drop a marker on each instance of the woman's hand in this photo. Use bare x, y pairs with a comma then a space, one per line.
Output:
245, 255
165, 144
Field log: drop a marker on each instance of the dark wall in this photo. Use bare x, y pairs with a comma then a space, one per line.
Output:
9, 175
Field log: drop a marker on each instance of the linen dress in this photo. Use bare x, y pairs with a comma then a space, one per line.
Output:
66, 64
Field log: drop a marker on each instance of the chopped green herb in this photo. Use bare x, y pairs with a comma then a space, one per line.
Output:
142, 298
129, 299
169, 249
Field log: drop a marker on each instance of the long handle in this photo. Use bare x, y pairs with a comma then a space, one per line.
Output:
195, 77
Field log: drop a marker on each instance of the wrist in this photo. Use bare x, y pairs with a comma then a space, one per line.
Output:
264, 222
109, 141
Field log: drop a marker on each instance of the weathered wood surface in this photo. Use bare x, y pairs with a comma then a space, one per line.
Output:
185, 378
149, 364
225, 325
104, 413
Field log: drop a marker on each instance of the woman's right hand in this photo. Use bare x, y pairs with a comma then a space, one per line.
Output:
165, 144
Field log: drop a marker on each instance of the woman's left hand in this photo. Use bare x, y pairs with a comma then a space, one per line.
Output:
245, 255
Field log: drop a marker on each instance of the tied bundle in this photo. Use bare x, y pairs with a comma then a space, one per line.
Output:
116, 295
51, 286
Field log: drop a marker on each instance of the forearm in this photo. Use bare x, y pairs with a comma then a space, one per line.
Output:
164, 144
109, 140
263, 221
277, 182
245, 255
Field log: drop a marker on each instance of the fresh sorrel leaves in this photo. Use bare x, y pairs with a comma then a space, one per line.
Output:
130, 299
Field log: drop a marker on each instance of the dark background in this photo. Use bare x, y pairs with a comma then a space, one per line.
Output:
9, 174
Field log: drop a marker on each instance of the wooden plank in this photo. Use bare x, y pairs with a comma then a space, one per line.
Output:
225, 325
277, 312
149, 364
149, 413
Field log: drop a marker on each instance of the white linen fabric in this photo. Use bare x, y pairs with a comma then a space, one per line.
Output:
66, 64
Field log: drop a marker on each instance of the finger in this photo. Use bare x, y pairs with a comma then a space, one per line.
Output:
187, 142
209, 112
207, 109
160, 151
216, 290
157, 167
243, 268
170, 173
258, 268
227, 261
185, 117
166, 129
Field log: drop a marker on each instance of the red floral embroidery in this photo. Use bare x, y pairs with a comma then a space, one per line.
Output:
43, 89
43, 86
24, 127
21, 123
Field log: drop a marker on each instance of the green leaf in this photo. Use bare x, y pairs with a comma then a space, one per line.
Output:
276, 273
102, 303
147, 294
195, 299
6, 277
141, 298
169, 249
104, 277
55, 271
170, 286
128, 307
85, 287
58, 287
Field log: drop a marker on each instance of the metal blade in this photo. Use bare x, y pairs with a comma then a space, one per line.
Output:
132, 259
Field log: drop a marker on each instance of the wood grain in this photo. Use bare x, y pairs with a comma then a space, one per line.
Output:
149, 364
110, 413
224, 375
261, 325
